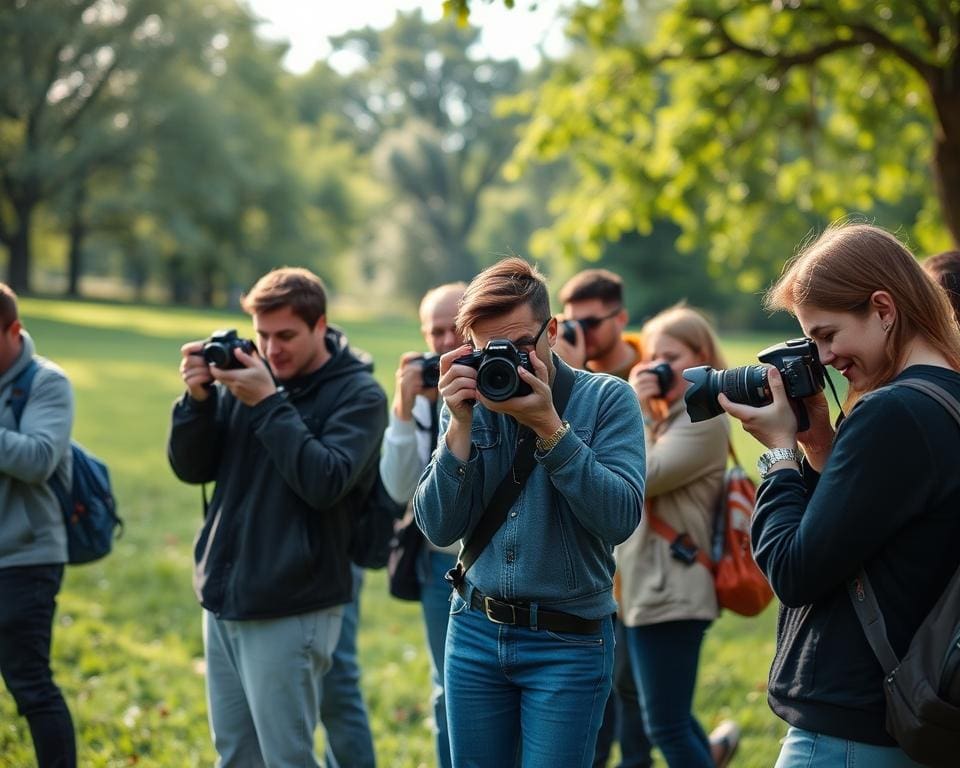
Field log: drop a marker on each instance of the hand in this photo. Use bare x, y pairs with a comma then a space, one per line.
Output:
645, 384
534, 410
195, 371
409, 384
774, 425
574, 355
817, 440
458, 386
249, 384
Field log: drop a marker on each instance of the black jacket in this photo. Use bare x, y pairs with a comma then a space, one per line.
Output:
289, 472
889, 500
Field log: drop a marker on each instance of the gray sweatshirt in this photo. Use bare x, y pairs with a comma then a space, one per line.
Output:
31, 524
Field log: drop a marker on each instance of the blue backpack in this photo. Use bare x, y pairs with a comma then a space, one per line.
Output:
88, 506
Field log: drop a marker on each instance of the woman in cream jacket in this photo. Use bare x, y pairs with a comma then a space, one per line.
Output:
666, 603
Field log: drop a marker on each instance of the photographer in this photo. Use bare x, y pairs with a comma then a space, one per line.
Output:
407, 445
881, 494
595, 319
292, 458
667, 598
529, 643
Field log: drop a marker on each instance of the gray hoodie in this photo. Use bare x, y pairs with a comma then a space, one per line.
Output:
31, 524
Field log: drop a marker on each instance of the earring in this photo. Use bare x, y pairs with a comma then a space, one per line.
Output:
886, 327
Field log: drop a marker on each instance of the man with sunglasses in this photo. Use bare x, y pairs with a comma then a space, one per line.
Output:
594, 311
530, 637
593, 306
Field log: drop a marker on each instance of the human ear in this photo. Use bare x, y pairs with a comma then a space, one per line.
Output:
552, 331
881, 303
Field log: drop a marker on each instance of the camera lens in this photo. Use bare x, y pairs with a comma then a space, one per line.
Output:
497, 379
746, 384
217, 354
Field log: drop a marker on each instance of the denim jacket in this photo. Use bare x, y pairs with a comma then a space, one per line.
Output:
555, 548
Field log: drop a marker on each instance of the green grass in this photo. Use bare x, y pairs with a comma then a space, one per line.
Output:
127, 645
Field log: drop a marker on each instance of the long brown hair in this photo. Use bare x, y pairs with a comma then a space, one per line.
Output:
840, 271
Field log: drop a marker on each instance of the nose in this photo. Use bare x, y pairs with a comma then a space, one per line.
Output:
825, 353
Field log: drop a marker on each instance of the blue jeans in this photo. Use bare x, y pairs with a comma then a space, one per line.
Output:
264, 686
512, 689
344, 716
665, 658
806, 749
27, 600
435, 602
623, 716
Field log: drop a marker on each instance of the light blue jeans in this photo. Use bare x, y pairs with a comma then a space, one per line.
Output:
806, 749
435, 602
264, 685
512, 689
343, 713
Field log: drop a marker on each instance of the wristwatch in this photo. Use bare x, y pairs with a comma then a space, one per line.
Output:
771, 457
546, 444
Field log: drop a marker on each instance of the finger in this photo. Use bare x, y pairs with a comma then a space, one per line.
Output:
539, 368
191, 348
245, 358
447, 360
737, 410
408, 357
775, 382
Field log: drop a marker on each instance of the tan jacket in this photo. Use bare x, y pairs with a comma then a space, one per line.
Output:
685, 469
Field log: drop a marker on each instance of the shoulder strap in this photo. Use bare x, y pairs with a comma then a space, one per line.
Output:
861, 593
509, 488
21, 390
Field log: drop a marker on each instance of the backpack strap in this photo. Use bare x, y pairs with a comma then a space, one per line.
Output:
662, 528
510, 486
21, 390
861, 593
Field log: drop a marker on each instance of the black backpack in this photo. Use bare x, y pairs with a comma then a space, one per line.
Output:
922, 689
88, 506
371, 527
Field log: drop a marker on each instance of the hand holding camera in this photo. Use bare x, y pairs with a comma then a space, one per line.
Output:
570, 344
226, 358
418, 374
651, 381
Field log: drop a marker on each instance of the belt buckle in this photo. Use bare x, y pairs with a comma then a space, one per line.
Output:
487, 607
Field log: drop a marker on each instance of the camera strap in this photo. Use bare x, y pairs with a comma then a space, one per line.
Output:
509, 488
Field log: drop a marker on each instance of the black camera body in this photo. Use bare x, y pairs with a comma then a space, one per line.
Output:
797, 361
430, 370
665, 377
496, 366
218, 349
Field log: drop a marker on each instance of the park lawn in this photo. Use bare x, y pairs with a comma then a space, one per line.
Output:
128, 650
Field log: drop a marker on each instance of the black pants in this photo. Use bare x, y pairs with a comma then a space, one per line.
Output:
27, 600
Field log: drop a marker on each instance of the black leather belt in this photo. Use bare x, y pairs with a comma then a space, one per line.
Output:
500, 612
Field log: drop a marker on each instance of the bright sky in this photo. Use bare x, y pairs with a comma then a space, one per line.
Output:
505, 33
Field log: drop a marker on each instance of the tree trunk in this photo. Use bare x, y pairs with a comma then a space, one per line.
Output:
78, 233
946, 152
18, 270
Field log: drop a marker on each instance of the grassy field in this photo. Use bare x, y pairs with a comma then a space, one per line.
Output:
127, 649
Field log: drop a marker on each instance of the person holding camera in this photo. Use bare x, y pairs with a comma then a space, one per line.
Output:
539, 469
592, 331
667, 597
880, 494
34, 445
592, 336
408, 443
291, 436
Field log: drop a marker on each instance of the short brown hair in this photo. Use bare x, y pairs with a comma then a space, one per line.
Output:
293, 287
945, 269
498, 290
8, 307
839, 272
593, 284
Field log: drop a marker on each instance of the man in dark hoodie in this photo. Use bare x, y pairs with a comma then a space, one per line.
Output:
291, 454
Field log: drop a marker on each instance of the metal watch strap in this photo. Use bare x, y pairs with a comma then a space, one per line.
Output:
547, 444
769, 458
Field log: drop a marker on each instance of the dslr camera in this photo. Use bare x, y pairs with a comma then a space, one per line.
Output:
218, 349
496, 366
430, 370
799, 365
664, 374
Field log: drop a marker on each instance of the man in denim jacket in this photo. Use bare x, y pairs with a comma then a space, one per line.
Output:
530, 640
